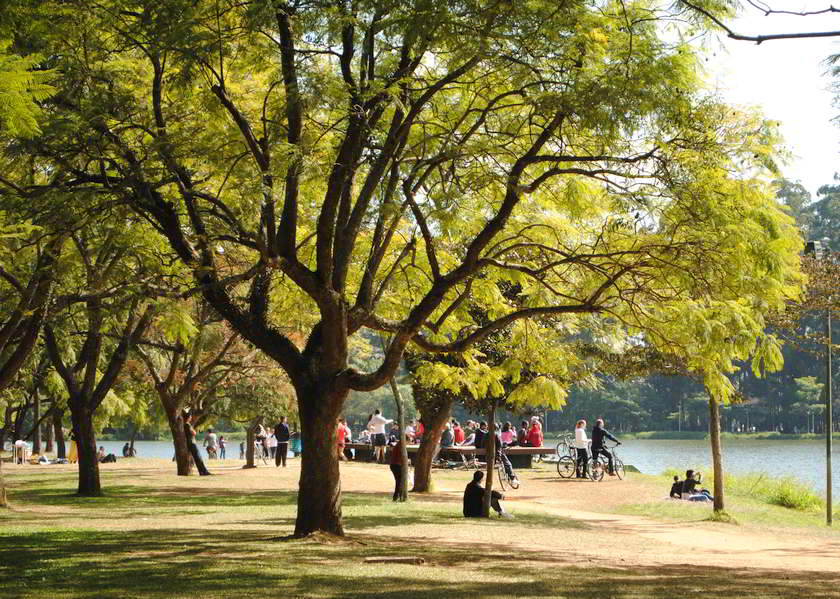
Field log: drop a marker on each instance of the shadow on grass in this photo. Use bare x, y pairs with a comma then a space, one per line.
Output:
180, 563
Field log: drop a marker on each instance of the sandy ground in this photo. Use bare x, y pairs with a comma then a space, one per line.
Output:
593, 531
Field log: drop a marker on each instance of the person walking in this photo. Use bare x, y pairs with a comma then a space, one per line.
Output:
222, 445
281, 431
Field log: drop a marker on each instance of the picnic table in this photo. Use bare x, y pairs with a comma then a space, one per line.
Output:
520, 457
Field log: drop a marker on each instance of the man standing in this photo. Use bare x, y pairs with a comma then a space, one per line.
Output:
598, 434
281, 431
377, 427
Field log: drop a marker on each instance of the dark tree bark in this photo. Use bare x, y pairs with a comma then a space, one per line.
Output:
319, 494
250, 439
398, 400
434, 417
490, 453
717, 457
82, 419
36, 416
179, 439
49, 433
60, 447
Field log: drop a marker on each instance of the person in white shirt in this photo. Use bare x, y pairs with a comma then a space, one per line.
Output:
272, 445
377, 428
581, 445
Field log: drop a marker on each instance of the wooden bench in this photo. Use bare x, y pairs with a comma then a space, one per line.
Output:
520, 457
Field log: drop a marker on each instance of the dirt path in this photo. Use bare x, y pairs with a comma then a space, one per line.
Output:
590, 529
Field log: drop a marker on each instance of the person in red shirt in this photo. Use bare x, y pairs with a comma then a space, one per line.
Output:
458, 432
341, 434
419, 431
535, 436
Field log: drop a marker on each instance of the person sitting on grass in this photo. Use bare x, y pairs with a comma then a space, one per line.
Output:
688, 488
676, 488
474, 499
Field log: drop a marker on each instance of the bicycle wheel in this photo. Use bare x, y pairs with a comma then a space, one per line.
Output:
566, 467
501, 475
620, 472
596, 469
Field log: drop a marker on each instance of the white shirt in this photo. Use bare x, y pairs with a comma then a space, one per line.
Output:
272, 441
581, 440
377, 424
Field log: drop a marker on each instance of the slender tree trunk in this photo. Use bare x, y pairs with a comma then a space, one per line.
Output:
49, 432
60, 447
133, 437
250, 438
36, 417
319, 490
89, 484
717, 461
183, 461
490, 453
3, 501
403, 492
435, 422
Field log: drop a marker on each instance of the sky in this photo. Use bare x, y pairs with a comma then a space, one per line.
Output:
786, 79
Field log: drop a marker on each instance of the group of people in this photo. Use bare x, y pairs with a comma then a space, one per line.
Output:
472, 433
687, 489
582, 446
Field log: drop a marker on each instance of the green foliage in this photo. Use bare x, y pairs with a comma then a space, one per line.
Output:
23, 87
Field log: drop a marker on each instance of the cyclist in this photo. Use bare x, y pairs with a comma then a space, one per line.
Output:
598, 434
503, 458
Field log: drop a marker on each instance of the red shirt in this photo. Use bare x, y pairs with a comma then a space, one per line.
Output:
459, 435
419, 430
535, 437
396, 454
342, 434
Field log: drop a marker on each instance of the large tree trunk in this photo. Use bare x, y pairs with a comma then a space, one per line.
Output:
403, 492
183, 463
60, 447
434, 421
490, 453
319, 490
89, 484
717, 461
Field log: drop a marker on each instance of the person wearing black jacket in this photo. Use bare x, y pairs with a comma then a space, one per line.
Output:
480, 433
474, 499
598, 434
281, 433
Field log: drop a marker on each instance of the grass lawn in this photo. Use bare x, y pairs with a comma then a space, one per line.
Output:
157, 535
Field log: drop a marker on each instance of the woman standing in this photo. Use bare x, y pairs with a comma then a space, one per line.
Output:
581, 445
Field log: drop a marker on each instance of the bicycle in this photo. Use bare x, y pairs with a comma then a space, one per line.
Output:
565, 446
260, 452
503, 477
598, 466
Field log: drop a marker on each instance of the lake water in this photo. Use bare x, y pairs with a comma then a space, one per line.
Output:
804, 460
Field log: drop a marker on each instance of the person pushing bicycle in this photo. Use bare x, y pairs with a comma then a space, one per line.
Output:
598, 435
